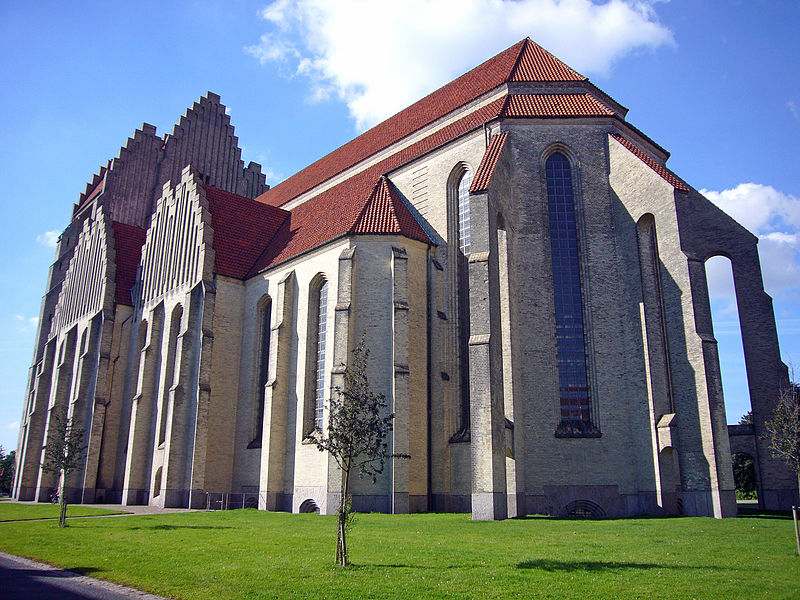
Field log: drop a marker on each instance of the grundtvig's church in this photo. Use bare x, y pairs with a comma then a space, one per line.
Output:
527, 274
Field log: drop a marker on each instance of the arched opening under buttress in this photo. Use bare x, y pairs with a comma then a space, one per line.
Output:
728, 333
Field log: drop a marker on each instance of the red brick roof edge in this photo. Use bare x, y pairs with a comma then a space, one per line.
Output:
524, 61
483, 175
663, 172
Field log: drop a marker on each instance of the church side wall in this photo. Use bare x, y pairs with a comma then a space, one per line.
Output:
704, 464
424, 184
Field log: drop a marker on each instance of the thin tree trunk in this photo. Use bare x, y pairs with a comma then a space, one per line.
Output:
341, 537
62, 517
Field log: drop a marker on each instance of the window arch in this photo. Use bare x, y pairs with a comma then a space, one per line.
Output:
316, 352
459, 234
264, 312
573, 375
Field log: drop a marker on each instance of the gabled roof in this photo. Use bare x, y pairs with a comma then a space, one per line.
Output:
480, 183
358, 205
663, 172
128, 242
385, 212
242, 229
524, 61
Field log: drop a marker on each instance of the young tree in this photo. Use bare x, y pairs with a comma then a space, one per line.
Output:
64, 454
783, 430
358, 426
6, 471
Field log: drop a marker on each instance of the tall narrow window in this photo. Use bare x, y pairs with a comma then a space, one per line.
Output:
463, 213
265, 323
460, 232
317, 337
573, 379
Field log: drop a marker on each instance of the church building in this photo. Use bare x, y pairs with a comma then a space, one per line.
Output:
527, 275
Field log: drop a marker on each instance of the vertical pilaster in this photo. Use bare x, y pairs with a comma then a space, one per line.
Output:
400, 390
766, 376
487, 412
82, 413
202, 306
140, 440
30, 451
58, 405
342, 346
181, 411
276, 398
720, 497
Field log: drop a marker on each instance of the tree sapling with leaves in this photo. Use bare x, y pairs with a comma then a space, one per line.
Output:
358, 425
64, 454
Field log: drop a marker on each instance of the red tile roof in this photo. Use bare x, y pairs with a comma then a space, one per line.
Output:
333, 212
242, 229
483, 175
128, 242
555, 105
386, 213
524, 61
537, 64
663, 172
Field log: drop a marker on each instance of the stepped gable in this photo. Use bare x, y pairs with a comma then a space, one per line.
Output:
524, 61
662, 171
128, 242
242, 229
386, 213
205, 138
483, 175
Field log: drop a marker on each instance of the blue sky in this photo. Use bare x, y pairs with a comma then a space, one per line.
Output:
717, 84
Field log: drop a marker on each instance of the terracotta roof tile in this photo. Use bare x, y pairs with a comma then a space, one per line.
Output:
385, 212
485, 170
537, 64
524, 61
663, 172
332, 213
128, 242
242, 230
555, 105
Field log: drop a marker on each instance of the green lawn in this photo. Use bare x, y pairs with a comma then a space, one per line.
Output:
249, 554
11, 511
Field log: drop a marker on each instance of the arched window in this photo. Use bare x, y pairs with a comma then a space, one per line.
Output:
464, 232
262, 368
315, 357
573, 379
459, 231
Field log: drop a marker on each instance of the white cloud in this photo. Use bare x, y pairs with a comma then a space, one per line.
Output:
793, 109
760, 208
775, 217
48, 238
380, 56
12, 426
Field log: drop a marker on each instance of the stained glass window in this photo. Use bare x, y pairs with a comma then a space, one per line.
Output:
319, 369
571, 351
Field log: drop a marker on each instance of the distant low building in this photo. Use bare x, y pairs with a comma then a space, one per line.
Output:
526, 272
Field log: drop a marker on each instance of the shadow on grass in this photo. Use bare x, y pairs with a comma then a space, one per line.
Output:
750, 513
171, 527
546, 564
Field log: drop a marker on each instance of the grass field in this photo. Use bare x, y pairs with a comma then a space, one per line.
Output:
11, 511
249, 554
